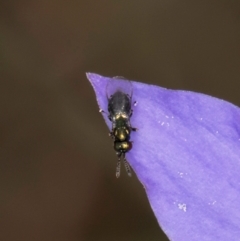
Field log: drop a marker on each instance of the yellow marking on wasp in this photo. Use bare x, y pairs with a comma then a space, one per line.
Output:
121, 136
120, 115
117, 116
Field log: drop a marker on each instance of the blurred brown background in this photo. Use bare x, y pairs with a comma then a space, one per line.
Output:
57, 166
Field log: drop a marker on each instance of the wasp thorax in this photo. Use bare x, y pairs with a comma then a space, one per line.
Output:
123, 146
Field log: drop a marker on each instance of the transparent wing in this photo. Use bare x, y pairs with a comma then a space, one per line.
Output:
119, 84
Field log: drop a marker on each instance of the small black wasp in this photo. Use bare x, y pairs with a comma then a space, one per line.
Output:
119, 95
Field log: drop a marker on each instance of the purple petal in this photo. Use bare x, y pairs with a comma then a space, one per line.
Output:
186, 153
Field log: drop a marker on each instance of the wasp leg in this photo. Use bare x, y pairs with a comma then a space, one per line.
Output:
102, 111
131, 113
127, 167
111, 135
134, 129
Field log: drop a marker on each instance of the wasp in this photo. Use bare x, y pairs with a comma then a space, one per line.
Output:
119, 95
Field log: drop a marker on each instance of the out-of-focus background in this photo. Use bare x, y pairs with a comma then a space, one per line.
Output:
57, 165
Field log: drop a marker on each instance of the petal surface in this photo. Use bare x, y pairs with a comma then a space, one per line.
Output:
186, 153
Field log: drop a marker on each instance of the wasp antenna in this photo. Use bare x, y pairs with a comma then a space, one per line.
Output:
127, 167
118, 168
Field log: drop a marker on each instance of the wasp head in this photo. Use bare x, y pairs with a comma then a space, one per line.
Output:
122, 147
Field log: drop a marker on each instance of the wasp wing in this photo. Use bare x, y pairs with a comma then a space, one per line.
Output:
119, 84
